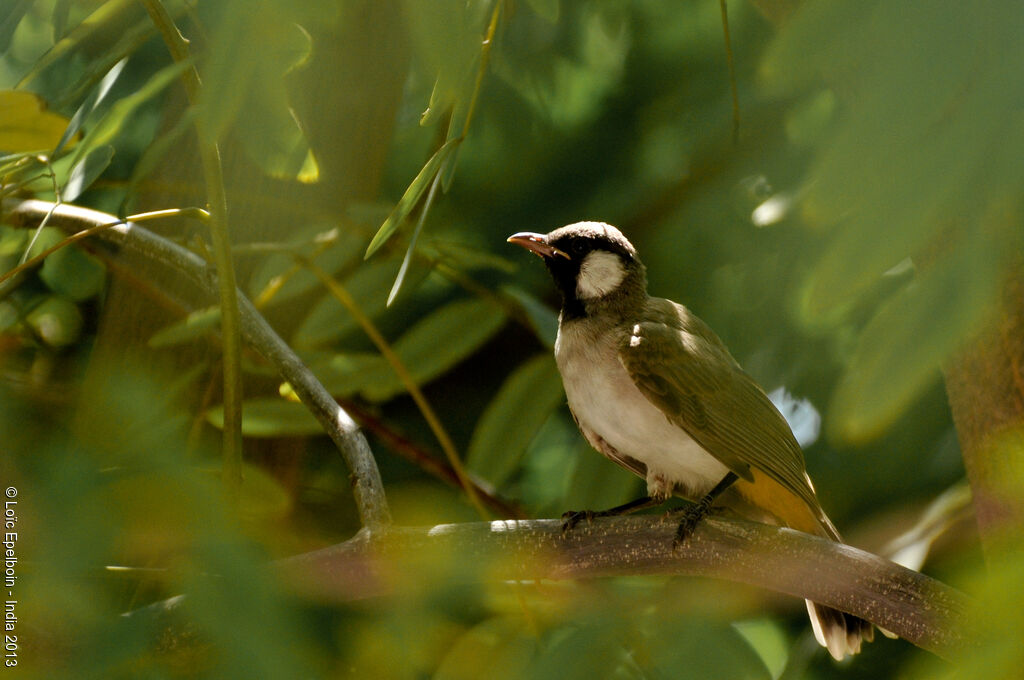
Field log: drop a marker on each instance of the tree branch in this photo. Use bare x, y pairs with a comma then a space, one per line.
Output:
923, 611
368, 489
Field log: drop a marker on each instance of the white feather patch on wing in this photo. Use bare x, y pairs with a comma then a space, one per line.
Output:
600, 274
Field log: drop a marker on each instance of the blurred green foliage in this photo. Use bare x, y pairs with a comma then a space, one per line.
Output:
854, 235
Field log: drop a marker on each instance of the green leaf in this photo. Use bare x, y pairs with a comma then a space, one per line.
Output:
901, 348
9, 20
411, 197
545, 9
499, 648
270, 417
43, 239
345, 251
598, 482
511, 420
59, 18
73, 273
86, 171
57, 321
329, 320
196, 325
429, 349
542, 318
120, 26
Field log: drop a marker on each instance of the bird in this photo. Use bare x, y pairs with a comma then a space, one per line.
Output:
652, 388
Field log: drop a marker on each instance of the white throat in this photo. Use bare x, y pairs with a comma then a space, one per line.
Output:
600, 274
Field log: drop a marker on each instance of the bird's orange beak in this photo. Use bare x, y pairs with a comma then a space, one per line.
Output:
536, 243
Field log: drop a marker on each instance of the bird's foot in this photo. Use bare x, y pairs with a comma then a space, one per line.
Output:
571, 518
692, 515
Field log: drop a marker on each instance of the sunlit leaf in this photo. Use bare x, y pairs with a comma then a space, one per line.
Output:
410, 197
26, 125
121, 112
269, 131
513, 417
196, 325
270, 417
86, 171
94, 99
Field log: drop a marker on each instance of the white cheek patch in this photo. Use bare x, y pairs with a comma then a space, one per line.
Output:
600, 274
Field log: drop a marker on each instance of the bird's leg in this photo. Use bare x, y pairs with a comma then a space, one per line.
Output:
696, 512
573, 517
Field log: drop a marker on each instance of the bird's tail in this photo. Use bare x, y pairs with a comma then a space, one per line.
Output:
837, 631
840, 633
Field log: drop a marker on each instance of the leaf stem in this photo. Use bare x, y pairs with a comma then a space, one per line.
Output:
213, 176
396, 363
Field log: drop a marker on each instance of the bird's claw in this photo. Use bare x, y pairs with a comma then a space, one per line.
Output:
571, 518
691, 518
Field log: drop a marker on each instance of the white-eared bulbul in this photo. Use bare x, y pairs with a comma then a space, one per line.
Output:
654, 389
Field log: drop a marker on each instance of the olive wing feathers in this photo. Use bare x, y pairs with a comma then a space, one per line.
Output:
682, 367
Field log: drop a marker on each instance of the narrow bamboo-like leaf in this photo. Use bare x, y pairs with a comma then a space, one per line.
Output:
400, 278
86, 171
196, 325
116, 17
158, 148
9, 20
270, 417
329, 320
410, 197
513, 417
59, 19
438, 342
88, 106
429, 349
901, 348
542, 318
111, 123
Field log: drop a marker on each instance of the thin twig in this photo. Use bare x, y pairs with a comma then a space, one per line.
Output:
733, 88
368, 490
398, 366
428, 462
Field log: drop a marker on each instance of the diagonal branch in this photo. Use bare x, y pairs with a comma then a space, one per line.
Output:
368, 488
923, 611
